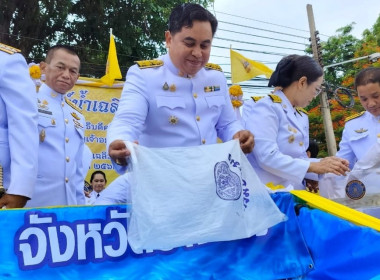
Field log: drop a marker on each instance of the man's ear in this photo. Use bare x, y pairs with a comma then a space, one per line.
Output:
43, 66
168, 38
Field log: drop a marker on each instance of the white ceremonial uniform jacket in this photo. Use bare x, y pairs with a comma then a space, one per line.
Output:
93, 197
281, 139
18, 125
159, 108
118, 192
359, 135
60, 179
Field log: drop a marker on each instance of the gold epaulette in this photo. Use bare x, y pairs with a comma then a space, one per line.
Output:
149, 63
300, 109
256, 98
213, 66
275, 98
72, 105
8, 49
354, 116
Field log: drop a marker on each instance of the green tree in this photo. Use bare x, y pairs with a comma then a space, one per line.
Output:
138, 26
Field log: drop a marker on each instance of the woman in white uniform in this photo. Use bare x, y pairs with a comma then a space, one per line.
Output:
281, 126
361, 131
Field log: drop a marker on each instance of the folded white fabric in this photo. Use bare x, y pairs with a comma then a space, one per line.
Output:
193, 195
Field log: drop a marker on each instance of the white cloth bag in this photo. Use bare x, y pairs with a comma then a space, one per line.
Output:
192, 195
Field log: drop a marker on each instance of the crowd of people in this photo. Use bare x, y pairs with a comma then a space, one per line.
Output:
177, 100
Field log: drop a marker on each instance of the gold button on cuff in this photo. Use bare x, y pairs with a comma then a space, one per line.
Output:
67, 159
198, 118
203, 141
67, 140
66, 180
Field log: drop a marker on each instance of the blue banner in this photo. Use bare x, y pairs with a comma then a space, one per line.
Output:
91, 242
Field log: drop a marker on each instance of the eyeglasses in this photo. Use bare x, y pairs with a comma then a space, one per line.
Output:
317, 91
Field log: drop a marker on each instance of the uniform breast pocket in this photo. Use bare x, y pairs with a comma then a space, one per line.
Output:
359, 137
44, 122
215, 101
170, 102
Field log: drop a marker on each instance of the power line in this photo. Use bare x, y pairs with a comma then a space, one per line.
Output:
264, 37
257, 44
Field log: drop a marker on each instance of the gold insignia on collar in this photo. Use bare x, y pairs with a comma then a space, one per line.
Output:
173, 120
213, 66
354, 116
42, 135
256, 98
361, 130
291, 139
149, 63
172, 88
165, 86
275, 98
301, 110
72, 105
75, 116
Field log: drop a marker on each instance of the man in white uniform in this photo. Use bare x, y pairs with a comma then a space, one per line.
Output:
61, 133
18, 129
179, 99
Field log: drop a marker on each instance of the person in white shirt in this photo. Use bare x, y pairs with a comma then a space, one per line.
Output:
362, 130
98, 182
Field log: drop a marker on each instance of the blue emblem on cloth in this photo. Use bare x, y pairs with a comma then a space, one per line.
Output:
355, 189
228, 184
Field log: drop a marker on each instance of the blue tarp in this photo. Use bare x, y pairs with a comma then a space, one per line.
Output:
90, 243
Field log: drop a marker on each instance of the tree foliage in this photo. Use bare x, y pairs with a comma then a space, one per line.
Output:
138, 27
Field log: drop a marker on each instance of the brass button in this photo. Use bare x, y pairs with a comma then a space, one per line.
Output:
66, 180
67, 159
195, 95
66, 121
63, 104
378, 135
67, 140
203, 141
198, 118
301, 144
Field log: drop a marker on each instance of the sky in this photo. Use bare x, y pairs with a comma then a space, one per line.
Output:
267, 30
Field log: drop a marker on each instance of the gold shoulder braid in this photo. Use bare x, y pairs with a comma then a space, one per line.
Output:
8, 49
149, 63
213, 66
354, 116
275, 98
256, 98
300, 109
72, 105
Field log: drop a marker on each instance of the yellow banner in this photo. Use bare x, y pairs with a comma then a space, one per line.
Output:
99, 104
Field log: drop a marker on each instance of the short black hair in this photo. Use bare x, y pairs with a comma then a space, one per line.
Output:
313, 149
185, 14
50, 52
367, 76
98, 172
292, 67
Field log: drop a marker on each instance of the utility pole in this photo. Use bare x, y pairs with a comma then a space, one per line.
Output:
325, 109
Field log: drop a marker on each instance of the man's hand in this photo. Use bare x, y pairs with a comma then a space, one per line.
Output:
246, 140
119, 152
13, 201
